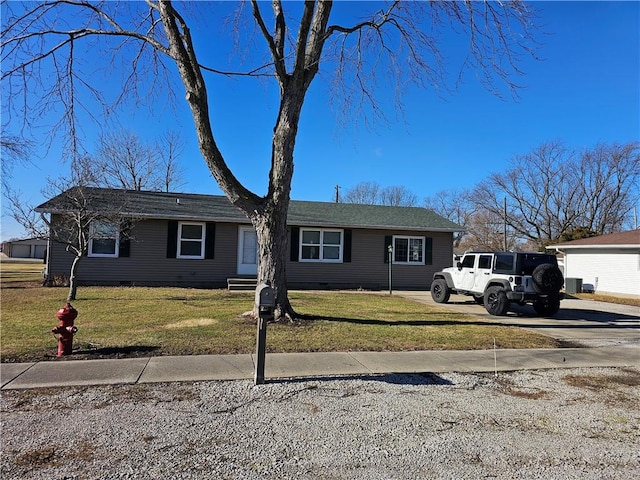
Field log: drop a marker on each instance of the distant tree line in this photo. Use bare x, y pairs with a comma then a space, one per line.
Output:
551, 194
371, 193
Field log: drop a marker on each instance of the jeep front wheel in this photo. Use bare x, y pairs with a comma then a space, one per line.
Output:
440, 291
496, 301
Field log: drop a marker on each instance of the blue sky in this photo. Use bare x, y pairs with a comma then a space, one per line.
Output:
584, 91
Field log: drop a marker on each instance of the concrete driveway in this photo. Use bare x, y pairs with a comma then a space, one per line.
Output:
586, 322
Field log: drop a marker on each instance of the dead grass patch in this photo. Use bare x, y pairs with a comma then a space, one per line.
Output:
532, 393
609, 299
630, 378
38, 458
50, 456
191, 322
620, 389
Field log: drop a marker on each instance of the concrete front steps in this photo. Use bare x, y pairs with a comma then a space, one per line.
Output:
242, 283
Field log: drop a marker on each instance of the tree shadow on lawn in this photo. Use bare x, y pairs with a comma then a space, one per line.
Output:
605, 321
133, 351
406, 323
609, 319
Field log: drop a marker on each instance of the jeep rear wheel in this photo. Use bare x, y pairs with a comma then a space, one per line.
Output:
547, 279
546, 307
440, 291
496, 301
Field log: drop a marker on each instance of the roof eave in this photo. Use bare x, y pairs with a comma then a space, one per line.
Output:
582, 247
420, 228
148, 216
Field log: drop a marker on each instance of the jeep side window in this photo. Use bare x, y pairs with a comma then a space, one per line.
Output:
504, 263
484, 261
468, 261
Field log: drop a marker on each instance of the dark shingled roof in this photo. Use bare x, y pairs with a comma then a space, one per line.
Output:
217, 208
630, 238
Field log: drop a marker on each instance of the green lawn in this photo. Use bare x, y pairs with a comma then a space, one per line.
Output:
12, 271
179, 321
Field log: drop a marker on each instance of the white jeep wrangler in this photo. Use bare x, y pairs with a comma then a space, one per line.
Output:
495, 279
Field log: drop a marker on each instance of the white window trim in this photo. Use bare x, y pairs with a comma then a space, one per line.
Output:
202, 240
409, 238
103, 255
321, 245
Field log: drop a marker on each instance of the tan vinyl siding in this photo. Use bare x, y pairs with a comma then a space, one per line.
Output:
148, 263
367, 268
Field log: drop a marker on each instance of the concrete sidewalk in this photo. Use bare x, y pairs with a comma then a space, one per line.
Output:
304, 365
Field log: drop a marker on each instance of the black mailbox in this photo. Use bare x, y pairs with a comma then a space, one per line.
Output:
265, 296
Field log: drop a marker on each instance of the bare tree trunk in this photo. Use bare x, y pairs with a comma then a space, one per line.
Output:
271, 229
268, 214
73, 284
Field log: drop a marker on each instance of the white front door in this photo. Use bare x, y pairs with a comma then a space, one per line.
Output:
247, 251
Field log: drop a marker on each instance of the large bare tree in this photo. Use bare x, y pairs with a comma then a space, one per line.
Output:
552, 190
13, 149
153, 40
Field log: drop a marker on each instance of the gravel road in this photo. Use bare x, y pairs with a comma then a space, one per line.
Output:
561, 424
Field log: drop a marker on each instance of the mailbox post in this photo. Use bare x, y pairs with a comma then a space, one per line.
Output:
266, 302
390, 253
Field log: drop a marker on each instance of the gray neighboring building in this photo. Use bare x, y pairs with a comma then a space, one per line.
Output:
27, 248
180, 239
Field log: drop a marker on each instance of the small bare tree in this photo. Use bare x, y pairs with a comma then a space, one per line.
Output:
74, 220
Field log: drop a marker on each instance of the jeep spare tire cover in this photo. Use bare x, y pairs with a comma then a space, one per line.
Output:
547, 278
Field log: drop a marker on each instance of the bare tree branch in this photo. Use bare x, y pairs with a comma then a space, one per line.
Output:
384, 50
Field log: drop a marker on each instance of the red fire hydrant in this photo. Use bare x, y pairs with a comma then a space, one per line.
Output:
66, 315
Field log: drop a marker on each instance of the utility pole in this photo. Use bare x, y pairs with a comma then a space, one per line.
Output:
337, 193
505, 224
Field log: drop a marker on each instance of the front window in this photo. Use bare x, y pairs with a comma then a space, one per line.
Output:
321, 245
191, 240
408, 250
104, 239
